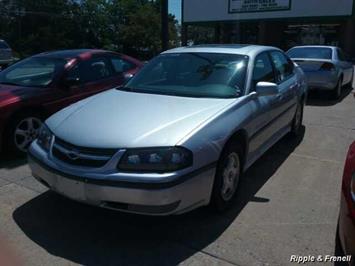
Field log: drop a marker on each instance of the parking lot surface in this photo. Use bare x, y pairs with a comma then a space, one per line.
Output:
287, 204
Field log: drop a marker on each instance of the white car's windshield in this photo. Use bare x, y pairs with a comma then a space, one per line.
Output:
213, 75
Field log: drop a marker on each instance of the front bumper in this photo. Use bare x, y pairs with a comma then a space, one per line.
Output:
175, 196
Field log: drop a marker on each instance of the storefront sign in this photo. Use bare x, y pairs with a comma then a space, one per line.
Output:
246, 6
239, 10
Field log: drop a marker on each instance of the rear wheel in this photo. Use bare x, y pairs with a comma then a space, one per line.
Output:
337, 90
229, 170
350, 84
21, 131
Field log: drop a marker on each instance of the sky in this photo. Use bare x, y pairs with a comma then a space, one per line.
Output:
175, 8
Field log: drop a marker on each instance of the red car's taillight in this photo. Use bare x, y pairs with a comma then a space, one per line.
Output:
327, 67
348, 185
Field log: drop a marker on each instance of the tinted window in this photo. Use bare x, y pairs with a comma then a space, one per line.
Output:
94, 69
120, 65
283, 66
74, 73
341, 55
310, 52
3, 45
263, 70
35, 71
212, 75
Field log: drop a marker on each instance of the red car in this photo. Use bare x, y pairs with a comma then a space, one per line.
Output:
346, 229
36, 87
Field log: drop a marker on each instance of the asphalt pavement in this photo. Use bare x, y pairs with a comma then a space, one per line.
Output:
288, 204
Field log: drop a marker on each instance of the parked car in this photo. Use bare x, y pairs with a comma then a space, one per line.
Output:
6, 56
326, 67
35, 88
346, 225
178, 135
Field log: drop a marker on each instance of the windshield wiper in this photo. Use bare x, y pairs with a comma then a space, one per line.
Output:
124, 88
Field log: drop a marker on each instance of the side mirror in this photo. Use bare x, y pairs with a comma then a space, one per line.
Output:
70, 82
127, 77
266, 88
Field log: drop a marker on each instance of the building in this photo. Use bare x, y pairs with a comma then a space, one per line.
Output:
282, 23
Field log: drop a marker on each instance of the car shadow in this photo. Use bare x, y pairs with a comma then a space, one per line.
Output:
93, 236
10, 161
324, 98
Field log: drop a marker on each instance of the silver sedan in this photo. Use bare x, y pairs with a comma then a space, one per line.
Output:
326, 67
178, 135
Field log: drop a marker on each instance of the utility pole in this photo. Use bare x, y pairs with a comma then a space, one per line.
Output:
164, 24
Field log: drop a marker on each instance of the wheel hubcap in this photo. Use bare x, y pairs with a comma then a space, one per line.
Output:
230, 176
26, 131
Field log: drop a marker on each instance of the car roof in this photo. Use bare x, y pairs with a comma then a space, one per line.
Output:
315, 46
74, 53
241, 49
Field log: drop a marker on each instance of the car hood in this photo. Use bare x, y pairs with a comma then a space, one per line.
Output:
119, 119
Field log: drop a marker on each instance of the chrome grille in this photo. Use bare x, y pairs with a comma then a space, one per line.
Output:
81, 156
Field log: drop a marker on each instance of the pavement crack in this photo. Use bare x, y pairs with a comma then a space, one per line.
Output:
328, 126
205, 252
315, 158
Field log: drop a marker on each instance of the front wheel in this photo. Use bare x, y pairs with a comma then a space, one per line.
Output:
229, 170
297, 120
22, 130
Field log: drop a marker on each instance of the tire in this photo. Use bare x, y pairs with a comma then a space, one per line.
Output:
350, 84
337, 90
297, 121
19, 133
228, 175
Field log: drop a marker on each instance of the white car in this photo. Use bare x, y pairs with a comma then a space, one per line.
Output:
178, 135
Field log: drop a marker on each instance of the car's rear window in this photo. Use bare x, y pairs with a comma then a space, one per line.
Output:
310, 52
3, 45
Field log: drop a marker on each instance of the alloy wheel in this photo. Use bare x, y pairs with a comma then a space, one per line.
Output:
26, 131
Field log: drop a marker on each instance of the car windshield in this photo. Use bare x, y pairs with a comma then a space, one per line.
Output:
310, 52
210, 75
32, 72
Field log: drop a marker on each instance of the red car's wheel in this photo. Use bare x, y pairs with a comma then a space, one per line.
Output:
23, 129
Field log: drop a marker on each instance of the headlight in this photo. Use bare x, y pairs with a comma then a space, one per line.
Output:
167, 159
44, 137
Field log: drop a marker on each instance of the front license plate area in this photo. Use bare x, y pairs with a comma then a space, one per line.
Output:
70, 188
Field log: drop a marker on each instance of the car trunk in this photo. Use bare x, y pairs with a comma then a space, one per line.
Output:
312, 65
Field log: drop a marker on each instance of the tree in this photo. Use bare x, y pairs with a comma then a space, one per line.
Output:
128, 26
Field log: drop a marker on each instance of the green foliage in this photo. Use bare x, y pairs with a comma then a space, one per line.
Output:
127, 26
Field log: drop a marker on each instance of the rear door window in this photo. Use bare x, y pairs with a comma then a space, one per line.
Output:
121, 65
95, 69
341, 55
